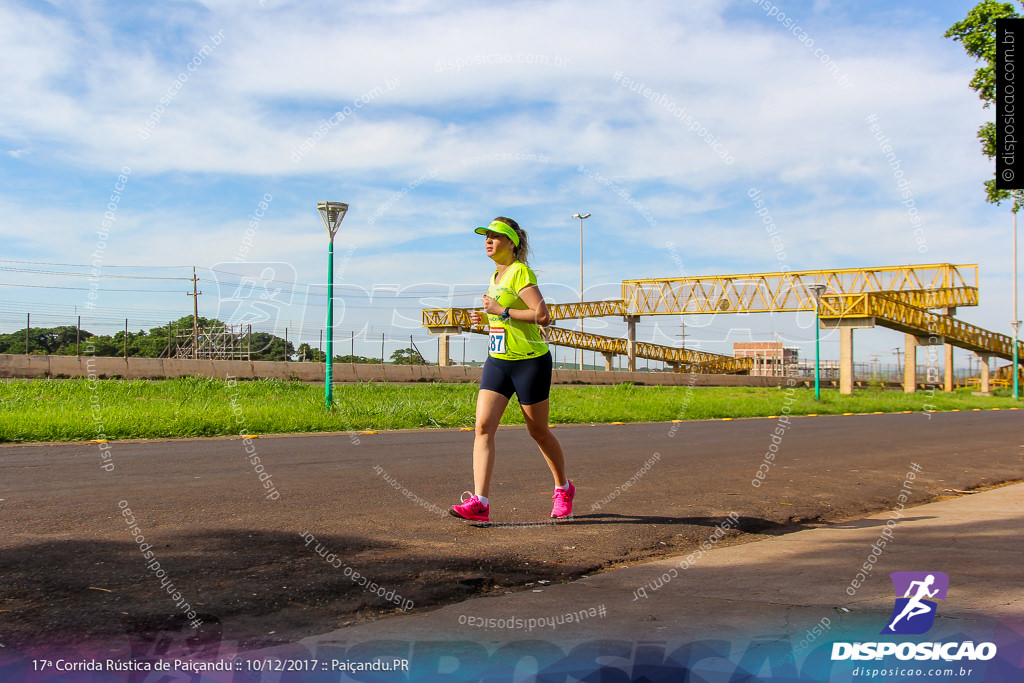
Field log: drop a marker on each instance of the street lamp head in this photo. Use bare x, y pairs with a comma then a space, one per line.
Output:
581, 217
332, 213
817, 290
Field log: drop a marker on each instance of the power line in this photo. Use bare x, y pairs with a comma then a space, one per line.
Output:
89, 275
445, 296
87, 289
292, 283
83, 265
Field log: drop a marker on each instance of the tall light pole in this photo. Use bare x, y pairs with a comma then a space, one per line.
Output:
581, 217
816, 291
332, 214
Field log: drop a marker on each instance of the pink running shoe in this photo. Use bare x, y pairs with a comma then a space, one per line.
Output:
472, 509
563, 502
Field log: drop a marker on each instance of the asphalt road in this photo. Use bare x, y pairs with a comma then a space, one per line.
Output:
73, 574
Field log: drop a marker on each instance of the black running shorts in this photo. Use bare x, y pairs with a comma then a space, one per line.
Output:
529, 379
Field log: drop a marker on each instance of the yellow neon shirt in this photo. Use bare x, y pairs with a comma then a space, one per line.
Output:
513, 339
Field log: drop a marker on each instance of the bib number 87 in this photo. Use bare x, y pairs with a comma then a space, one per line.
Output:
497, 344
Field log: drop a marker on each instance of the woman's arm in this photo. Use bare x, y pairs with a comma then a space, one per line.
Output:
536, 310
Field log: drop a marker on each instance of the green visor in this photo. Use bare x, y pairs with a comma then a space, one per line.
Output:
501, 229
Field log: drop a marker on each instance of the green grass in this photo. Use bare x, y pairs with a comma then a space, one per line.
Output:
74, 410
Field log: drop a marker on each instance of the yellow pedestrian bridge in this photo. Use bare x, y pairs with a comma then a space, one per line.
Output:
919, 301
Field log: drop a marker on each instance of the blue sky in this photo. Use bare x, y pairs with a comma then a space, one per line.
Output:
430, 118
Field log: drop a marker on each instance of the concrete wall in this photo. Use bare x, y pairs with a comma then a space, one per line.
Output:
22, 366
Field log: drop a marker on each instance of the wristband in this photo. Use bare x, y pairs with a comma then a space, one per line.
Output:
505, 315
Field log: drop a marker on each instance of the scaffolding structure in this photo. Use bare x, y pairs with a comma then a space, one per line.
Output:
213, 343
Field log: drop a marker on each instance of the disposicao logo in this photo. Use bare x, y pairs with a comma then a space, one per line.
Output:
913, 614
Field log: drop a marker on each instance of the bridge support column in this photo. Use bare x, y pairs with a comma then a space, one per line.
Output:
846, 328
932, 342
947, 380
442, 350
845, 360
443, 335
910, 362
910, 365
608, 358
631, 341
985, 387
947, 384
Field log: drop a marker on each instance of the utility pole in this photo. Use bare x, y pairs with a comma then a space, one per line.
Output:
195, 313
581, 216
682, 334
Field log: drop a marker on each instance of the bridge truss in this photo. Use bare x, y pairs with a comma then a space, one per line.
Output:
898, 297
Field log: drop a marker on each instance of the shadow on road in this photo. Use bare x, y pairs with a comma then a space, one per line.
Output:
255, 587
750, 525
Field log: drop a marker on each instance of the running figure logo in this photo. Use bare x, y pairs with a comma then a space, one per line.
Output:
914, 613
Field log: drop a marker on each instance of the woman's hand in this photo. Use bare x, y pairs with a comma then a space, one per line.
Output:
491, 306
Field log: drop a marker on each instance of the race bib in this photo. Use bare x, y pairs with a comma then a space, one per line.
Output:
497, 340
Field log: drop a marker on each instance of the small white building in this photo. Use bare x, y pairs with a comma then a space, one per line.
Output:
770, 358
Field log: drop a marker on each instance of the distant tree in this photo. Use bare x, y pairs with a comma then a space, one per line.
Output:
307, 353
152, 344
409, 356
266, 346
140, 344
356, 359
101, 345
41, 340
977, 33
55, 338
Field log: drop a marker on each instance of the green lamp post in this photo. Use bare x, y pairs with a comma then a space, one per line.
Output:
1016, 361
332, 213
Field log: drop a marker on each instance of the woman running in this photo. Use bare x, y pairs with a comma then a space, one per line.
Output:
518, 362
